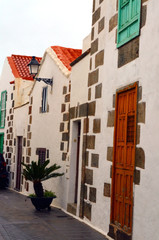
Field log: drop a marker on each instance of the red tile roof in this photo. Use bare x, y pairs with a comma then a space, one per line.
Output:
18, 64
66, 55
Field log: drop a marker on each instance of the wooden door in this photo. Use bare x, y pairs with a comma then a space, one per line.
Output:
19, 159
124, 159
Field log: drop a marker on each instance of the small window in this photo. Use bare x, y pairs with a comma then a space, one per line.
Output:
44, 99
128, 20
3, 109
41, 152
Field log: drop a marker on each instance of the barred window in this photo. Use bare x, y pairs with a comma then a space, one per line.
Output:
44, 99
41, 152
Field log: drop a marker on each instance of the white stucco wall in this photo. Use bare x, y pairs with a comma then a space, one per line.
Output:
100, 217
5, 79
21, 120
79, 79
86, 43
45, 126
19, 130
145, 70
22, 90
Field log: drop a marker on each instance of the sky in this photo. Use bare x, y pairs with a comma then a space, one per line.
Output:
29, 27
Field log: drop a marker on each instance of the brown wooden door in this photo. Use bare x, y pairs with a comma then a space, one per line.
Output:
124, 159
19, 159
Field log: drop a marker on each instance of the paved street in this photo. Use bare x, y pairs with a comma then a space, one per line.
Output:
20, 221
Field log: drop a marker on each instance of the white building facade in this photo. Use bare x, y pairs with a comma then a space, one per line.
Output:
48, 118
100, 123
16, 83
118, 160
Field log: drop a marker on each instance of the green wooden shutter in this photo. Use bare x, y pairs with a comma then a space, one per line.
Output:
128, 20
1, 142
0, 114
3, 109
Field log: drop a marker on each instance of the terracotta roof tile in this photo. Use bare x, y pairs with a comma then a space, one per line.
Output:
66, 55
18, 64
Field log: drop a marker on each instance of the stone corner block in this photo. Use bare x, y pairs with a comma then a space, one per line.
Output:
87, 210
99, 59
90, 141
110, 154
91, 108
98, 91
89, 176
106, 191
141, 112
96, 125
111, 118
94, 46
113, 22
96, 16
101, 25
92, 194
93, 77
137, 177
140, 158
95, 160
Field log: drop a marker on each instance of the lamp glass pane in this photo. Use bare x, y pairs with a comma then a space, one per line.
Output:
34, 69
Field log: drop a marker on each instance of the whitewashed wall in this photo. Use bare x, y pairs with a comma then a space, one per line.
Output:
79, 95
45, 126
19, 130
5, 79
22, 90
79, 79
144, 69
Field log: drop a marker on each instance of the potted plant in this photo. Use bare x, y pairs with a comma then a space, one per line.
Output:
37, 172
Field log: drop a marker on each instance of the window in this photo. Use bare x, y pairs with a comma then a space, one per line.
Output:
128, 20
41, 152
3, 109
44, 99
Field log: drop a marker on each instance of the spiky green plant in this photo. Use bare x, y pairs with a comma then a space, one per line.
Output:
37, 172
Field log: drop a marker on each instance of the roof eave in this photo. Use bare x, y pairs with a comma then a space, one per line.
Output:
80, 57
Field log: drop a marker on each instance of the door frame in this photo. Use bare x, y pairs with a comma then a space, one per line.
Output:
18, 161
75, 162
124, 89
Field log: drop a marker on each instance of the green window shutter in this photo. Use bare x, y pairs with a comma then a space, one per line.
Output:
0, 114
3, 109
1, 142
128, 20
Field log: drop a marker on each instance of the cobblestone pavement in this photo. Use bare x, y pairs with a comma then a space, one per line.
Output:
20, 221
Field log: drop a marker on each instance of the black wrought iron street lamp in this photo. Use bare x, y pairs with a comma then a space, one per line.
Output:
33, 70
